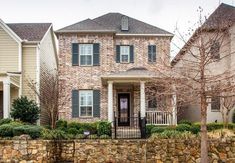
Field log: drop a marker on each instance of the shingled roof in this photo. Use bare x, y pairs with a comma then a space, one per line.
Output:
30, 31
223, 17
111, 22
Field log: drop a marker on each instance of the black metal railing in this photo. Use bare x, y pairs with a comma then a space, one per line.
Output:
129, 127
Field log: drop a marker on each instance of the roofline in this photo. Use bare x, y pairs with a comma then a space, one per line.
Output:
136, 34
10, 32
85, 31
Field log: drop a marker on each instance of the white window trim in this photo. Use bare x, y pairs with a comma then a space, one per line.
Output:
125, 54
85, 105
85, 55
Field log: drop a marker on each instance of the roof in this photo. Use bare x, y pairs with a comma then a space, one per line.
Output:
223, 17
133, 73
112, 22
30, 31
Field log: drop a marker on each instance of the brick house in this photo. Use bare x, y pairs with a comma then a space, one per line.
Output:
105, 65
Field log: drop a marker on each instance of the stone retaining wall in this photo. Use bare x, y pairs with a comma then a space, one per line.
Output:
114, 151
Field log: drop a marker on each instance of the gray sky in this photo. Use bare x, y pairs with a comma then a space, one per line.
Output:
161, 13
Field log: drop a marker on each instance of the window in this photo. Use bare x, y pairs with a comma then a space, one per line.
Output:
151, 53
152, 104
215, 103
85, 53
124, 54
214, 50
86, 103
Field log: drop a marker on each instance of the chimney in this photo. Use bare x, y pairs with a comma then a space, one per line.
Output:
124, 23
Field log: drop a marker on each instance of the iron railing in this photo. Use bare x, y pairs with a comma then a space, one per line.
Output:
129, 127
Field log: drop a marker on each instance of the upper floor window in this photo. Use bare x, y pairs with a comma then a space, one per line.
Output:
214, 50
215, 103
85, 54
86, 103
124, 54
152, 53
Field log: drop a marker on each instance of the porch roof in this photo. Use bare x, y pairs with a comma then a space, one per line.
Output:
137, 74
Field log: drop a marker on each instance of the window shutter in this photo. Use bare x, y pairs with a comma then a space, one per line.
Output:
118, 53
75, 103
131, 54
154, 53
75, 55
96, 103
149, 53
96, 54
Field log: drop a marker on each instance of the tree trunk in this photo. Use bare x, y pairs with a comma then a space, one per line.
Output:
204, 146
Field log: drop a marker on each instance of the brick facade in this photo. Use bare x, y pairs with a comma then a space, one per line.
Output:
77, 77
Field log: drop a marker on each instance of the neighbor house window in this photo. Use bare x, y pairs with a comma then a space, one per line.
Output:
214, 50
124, 54
86, 54
152, 104
215, 103
86, 103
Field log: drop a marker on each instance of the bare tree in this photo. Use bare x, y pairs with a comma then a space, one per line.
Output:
199, 71
48, 95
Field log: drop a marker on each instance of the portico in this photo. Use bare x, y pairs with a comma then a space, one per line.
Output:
9, 90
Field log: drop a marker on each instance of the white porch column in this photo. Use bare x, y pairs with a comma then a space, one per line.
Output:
142, 99
6, 98
174, 109
110, 101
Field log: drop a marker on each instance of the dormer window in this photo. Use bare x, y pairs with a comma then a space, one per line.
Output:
215, 50
124, 23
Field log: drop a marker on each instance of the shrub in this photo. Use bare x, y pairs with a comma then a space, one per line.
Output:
93, 136
53, 134
47, 134
6, 130
73, 131
157, 130
33, 131
148, 129
25, 110
61, 125
184, 121
5, 121
91, 127
105, 137
104, 128
195, 128
214, 126
73, 125
183, 127
80, 136
234, 116
231, 126
169, 134
81, 131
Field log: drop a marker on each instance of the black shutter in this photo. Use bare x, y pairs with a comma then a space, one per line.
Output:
96, 103
149, 53
154, 53
131, 54
96, 54
118, 53
75, 54
75, 103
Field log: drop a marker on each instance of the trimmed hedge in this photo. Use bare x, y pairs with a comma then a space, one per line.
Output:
5, 121
157, 130
184, 121
183, 127
104, 128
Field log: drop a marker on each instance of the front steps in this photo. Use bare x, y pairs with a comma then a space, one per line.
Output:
126, 133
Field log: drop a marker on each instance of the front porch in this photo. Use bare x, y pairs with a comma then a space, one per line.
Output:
128, 105
9, 90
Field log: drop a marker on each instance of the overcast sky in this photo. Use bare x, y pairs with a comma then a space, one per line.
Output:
161, 13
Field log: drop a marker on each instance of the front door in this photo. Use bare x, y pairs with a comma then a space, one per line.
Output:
1, 104
123, 109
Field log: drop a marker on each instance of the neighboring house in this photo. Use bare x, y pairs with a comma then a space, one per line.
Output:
223, 55
27, 53
105, 65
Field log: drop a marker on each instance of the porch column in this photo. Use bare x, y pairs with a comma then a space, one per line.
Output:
142, 99
110, 101
6, 98
174, 109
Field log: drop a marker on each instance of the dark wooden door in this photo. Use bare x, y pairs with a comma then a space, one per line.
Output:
123, 109
1, 104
